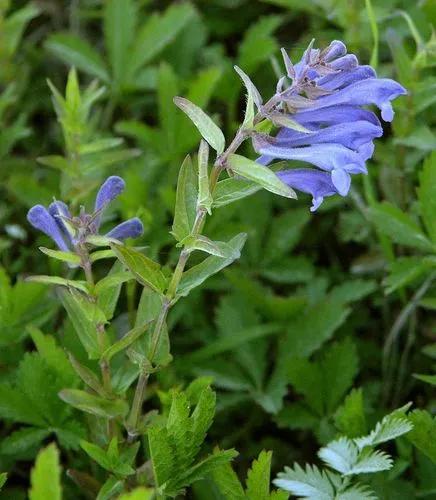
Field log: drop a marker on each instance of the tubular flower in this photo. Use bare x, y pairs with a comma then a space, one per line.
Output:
68, 231
328, 89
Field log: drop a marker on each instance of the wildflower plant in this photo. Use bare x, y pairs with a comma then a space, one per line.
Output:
316, 116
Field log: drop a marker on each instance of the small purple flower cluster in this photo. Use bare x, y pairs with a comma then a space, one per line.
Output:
326, 96
68, 231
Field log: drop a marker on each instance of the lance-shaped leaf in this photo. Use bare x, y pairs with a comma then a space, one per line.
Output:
211, 265
282, 120
233, 189
260, 174
124, 342
87, 375
57, 280
251, 88
107, 408
85, 316
207, 128
145, 270
69, 257
204, 196
200, 242
186, 200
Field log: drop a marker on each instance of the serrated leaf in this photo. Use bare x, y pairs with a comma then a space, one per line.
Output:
423, 433
227, 482
350, 417
210, 132
310, 483
211, 265
46, 475
340, 455
19, 442
390, 427
371, 461
260, 174
258, 477
146, 271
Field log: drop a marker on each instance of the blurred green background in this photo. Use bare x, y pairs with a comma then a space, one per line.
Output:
318, 304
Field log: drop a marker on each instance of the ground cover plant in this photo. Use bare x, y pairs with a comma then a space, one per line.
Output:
218, 249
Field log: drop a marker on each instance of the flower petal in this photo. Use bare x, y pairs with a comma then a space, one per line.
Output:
351, 135
344, 78
335, 114
378, 91
341, 179
108, 191
40, 218
334, 50
324, 156
318, 184
131, 228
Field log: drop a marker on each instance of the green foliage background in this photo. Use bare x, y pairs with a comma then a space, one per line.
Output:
323, 324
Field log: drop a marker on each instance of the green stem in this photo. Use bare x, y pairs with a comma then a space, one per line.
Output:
220, 164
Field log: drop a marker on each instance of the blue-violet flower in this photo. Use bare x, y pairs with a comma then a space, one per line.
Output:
68, 231
325, 97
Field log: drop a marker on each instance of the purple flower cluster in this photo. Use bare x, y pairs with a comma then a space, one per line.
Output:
326, 96
68, 231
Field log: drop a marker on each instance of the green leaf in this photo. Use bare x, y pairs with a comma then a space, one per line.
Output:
253, 94
390, 427
119, 20
204, 196
140, 493
200, 242
227, 482
350, 417
125, 341
233, 189
423, 433
100, 145
428, 379
70, 257
54, 161
23, 440
3, 478
108, 289
145, 270
85, 316
88, 376
57, 280
340, 366
310, 483
207, 128
108, 408
157, 33
211, 265
405, 270
46, 475
399, 226
427, 195
75, 51
110, 489
161, 454
260, 174
186, 201
283, 120
109, 460
258, 477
